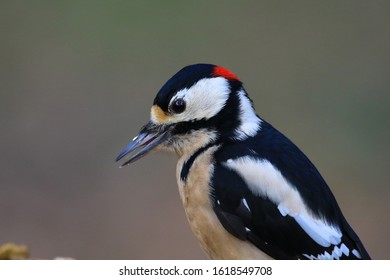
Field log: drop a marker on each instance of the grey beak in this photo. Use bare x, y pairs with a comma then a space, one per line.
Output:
149, 137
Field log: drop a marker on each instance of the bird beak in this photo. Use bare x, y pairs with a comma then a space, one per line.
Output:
150, 136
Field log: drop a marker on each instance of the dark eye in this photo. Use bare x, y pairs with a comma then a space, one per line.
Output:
178, 106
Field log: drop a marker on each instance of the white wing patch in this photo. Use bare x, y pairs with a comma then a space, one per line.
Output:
322, 233
264, 179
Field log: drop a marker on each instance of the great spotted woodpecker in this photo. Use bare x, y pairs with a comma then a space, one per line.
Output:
247, 190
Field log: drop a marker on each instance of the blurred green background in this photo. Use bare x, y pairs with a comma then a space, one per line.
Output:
77, 79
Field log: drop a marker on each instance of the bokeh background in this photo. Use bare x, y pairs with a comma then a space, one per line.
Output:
77, 79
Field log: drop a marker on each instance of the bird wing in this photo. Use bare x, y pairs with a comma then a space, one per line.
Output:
256, 198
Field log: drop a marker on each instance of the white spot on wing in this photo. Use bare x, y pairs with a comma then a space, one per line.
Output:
322, 233
245, 204
282, 211
336, 254
265, 180
356, 253
344, 249
310, 257
327, 256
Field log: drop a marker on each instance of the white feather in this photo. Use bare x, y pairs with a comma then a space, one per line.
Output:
356, 253
322, 233
204, 99
344, 249
249, 121
337, 252
245, 204
265, 180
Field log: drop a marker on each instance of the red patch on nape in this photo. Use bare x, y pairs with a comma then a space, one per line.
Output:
223, 72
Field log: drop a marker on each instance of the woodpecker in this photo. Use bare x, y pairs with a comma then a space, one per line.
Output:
247, 190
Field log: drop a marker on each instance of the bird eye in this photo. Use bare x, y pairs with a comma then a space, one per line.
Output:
177, 106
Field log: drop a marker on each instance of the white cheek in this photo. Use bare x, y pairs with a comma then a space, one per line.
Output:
204, 99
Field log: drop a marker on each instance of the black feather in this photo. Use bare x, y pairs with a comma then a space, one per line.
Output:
279, 236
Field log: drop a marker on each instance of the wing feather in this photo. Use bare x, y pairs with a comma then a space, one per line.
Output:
270, 194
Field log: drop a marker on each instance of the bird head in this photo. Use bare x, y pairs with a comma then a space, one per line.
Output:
201, 103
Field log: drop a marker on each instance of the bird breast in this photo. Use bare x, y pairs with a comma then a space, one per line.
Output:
195, 195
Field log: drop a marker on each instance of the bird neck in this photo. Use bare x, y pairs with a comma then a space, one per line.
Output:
188, 144
249, 122
238, 120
